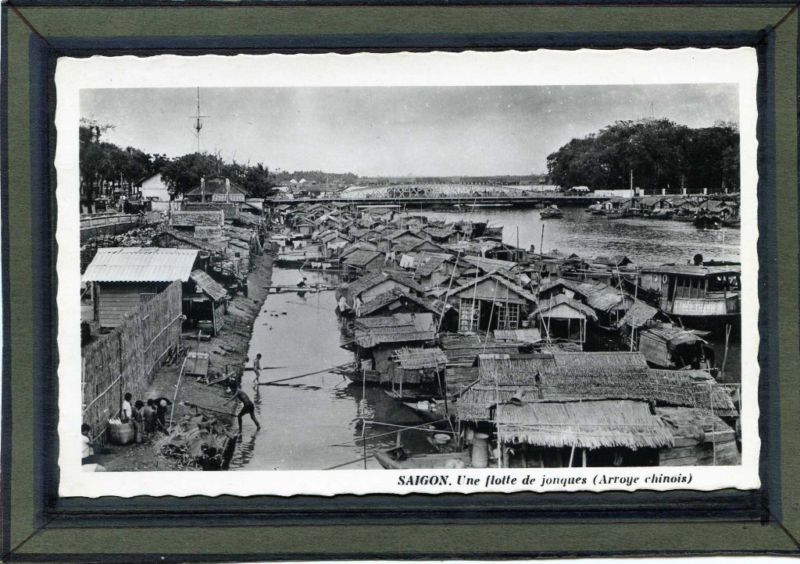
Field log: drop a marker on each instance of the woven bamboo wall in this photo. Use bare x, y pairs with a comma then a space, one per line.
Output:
126, 359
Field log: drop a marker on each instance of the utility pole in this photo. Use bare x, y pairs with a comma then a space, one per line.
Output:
631, 182
198, 123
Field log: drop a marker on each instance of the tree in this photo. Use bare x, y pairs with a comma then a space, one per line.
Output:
183, 174
660, 153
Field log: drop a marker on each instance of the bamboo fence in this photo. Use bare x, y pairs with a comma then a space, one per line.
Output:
126, 359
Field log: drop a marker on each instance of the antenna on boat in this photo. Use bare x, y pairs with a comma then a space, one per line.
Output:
198, 120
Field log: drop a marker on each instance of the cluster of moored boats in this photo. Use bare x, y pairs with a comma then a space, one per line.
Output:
705, 212
525, 359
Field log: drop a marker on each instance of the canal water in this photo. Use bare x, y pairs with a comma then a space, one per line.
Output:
314, 422
645, 241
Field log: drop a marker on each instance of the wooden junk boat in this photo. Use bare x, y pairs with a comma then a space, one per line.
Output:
705, 296
398, 459
551, 212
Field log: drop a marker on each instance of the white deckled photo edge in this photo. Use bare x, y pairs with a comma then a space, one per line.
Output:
545, 237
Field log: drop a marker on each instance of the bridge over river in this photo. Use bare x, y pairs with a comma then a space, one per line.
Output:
525, 200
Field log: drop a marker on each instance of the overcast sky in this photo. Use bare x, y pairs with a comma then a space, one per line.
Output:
424, 131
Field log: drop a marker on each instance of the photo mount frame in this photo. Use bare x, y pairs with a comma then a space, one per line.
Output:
41, 525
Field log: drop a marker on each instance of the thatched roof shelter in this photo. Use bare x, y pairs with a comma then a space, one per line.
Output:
588, 424
399, 328
548, 377
419, 359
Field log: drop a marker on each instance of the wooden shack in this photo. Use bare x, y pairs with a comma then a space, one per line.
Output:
491, 302
124, 277
206, 305
702, 438
580, 433
416, 368
563, 317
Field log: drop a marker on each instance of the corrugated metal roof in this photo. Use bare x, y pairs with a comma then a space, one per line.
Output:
140, 264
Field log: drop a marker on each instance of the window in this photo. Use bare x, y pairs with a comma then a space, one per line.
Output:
468, 315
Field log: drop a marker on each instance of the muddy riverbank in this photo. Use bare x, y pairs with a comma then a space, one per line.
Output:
226, 351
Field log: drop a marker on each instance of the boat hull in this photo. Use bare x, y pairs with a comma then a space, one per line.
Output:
397, 459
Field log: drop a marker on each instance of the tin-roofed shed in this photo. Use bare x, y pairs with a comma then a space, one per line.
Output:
124, 277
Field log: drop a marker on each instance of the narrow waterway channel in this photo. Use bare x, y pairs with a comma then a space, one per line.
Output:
314, 423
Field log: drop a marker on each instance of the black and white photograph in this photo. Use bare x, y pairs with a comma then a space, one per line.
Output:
421, 272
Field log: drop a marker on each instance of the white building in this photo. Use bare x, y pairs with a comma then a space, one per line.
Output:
154, 188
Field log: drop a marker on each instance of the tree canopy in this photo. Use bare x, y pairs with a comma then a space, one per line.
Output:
660, 153
102, 162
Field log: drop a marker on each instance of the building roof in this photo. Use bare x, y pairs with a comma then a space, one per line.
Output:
545, 306
364, 283
673, 335
418, 358
463, 349
189, 240
208, 285
140, 264
386, 298
531, 335
427, 263
439, 232
598, 295
692, 270
209, 218
638, 314
398, 328
232, 197
520, 291
361, 257
506, 369
586, 424
488, 264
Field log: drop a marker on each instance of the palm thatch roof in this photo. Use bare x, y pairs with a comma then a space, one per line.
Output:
638, 314
545, 377
590, 424
417, 358
399, 328
671, 334
464, 349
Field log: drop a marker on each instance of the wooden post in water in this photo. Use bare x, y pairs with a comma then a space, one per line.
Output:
725, 354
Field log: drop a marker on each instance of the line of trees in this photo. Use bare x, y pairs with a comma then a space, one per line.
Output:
659, 152
104, 164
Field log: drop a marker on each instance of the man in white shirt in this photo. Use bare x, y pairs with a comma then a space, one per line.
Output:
127, 409
87, 452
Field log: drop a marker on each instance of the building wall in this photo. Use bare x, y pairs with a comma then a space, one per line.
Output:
125, 360
115, 300
155, 187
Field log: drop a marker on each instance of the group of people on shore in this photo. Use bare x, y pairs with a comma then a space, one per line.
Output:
150, 416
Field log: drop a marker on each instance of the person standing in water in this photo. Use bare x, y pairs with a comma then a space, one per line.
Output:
248, 407
257, 368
